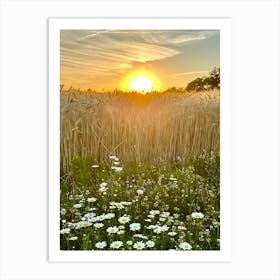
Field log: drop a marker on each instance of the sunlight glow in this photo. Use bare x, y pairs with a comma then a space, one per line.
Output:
141, 81
141, 84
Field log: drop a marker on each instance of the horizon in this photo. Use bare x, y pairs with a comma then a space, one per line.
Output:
108, 60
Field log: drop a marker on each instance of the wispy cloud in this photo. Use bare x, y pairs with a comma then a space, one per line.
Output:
105, 50
95, 54
191, 73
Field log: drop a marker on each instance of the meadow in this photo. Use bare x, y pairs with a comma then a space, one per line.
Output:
140, 172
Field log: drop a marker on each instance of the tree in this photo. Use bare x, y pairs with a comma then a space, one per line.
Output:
205, 83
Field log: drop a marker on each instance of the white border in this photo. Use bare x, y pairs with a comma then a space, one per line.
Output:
55, 254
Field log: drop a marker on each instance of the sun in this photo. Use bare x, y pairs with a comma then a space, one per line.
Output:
141, 81
141, 84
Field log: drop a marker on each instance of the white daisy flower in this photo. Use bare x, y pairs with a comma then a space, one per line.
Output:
98, 225
124, 219
111, 230
185, 246
95, 166
117, 169
154, 212
150, 243
113, 158
73, 238
116, 244
157, 230
140, 192
172, 233
135, 226
77, 206
109, 216
164, 228
139, 245
129, 242
197, 215
91, 199
65, 231
101, 245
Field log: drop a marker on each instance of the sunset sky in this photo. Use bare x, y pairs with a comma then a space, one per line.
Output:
104, 59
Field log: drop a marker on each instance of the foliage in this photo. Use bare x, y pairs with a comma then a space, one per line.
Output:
138, 206
212, 81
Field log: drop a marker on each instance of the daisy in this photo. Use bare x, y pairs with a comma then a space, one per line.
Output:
139, 245
135, 226
65, 231
124, 219
73, 238
150, 243
95, 166
197, 215
109, 216
111, 230
91, 199
154, 212
101, 245
77, 206
113, 157
172, 233
139, 192
117, 169
164, 228
116, 244
98, 225
185, 246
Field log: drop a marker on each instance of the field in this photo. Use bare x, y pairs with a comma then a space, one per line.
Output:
140, 172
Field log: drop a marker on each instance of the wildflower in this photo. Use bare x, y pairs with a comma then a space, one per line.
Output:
95, 166
63, 211
77, 206
197, 215
124, 219
116, 244
165, 214
111, 230
120, 232
101, 245
135, 226
91, 199
182, 228
89, 215
102, 187
185, 246
150, 243
98, 225
140, 236
140, 192
139, 245
157, 230
164, 228
73, 238
151, 227
154, 212
65, 231
109, 216
129, 242
117, 169
113, 157
172, 233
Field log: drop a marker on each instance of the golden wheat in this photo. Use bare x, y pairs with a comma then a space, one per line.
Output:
154, 127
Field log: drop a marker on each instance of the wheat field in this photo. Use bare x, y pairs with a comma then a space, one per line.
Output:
154, 128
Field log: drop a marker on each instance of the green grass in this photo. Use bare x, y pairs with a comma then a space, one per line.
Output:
176, 192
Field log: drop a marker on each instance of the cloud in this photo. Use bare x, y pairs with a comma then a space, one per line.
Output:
191, 73
105, 50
